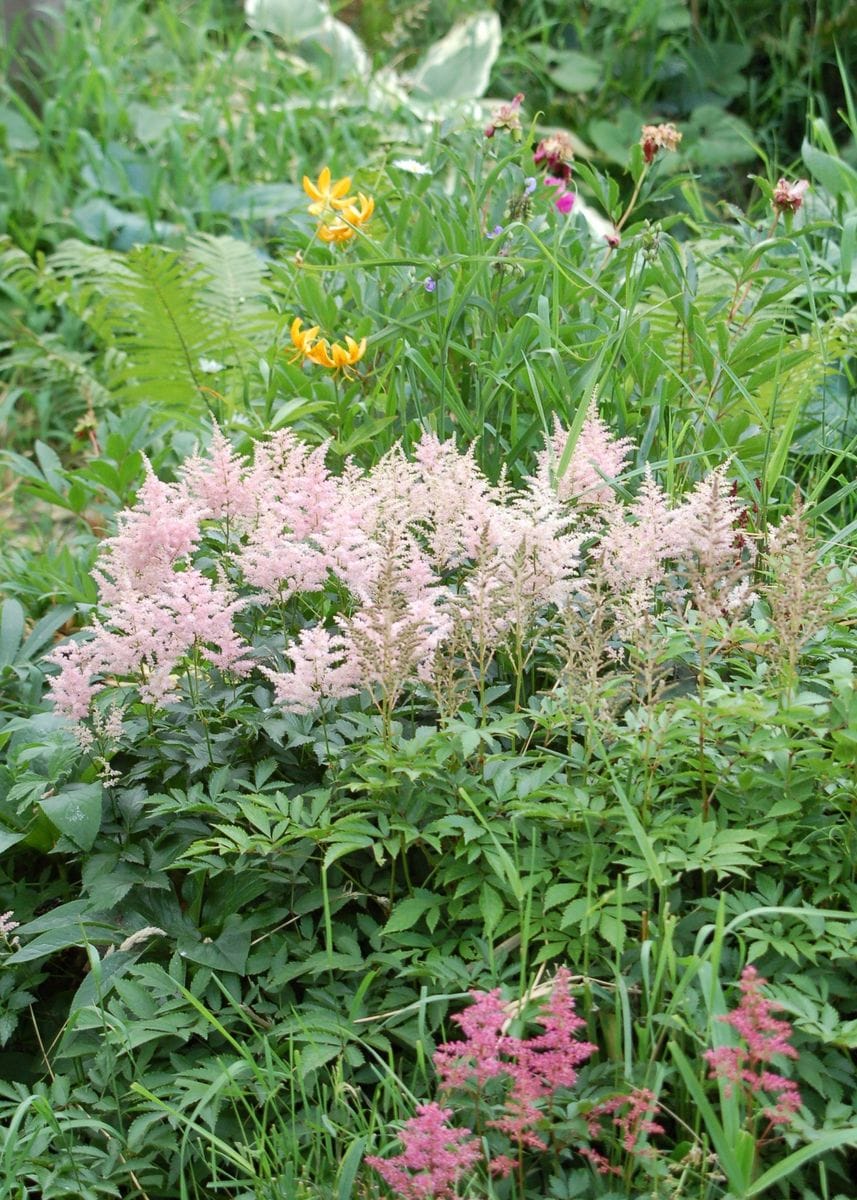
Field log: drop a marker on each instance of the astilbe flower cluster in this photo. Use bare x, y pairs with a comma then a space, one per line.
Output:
745, 1067
435, 1155
418, 556
517, 1079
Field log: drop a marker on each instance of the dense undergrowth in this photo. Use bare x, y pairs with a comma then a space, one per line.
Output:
427, 695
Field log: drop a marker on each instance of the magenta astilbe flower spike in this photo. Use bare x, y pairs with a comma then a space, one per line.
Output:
478, 1056
764, 1037
434, 1157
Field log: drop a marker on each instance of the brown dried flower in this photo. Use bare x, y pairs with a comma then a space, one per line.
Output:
659, 137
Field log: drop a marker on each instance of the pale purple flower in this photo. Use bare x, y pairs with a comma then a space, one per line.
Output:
530, 185
430, 284
496, 231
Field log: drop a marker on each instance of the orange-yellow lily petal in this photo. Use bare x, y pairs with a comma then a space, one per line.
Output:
302, 339
320, 354
337, 231
335, 356
359, 216
326, 195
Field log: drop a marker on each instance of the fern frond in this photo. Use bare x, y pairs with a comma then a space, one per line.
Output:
168, 320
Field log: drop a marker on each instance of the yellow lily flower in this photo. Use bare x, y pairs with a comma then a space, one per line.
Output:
302, 339
335, 356
326, 195
348, 221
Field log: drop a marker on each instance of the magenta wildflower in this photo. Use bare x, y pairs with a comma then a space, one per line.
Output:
565, 199
535, 1067
764, 1037
434, 1157
556, 153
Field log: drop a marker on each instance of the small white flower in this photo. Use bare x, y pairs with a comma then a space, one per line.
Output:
412, 166
210, 366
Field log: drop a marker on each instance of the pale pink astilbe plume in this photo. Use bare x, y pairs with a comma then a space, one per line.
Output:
160, 530
763, 1038
704, 523
527, 564
279, 564
396, 634
435, 1155
390, 498
7, 923
287, 549
143, 638
597, 455
634, 551
323, 668
73, 689
217, 483
458, 502
704, 533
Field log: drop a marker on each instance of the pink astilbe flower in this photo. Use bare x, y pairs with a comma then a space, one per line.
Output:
434, 1157
160, 530
534, 1068
553, 1056
633, 1115
541, 1065
323, 669
763, 1038
479, 1056
597, 456
704, 535
7, 923
635, 551
217, 483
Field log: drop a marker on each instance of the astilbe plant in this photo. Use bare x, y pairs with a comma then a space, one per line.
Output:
745, 1068
375, 582
505, 1098
513, 1087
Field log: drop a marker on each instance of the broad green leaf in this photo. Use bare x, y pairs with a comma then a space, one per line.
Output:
11, 631
576, 72
834, 174
289, 19
76, 812
458, 67
9, 838
407, 912
54, 940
